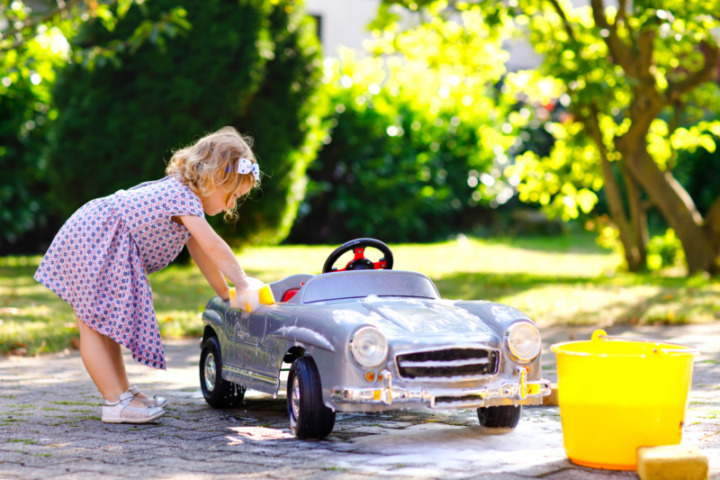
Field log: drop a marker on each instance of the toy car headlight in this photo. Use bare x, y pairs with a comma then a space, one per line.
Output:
522, 341
369, 347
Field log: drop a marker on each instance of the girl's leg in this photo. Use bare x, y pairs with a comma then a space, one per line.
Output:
100, 362
118, 363
117, 358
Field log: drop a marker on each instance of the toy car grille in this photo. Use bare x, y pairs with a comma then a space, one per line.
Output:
448, 363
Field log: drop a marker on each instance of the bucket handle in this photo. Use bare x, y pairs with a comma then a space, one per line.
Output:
601, 335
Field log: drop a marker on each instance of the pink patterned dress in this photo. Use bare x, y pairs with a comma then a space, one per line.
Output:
100, 260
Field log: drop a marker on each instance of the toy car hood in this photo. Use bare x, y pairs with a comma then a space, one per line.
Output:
401, 317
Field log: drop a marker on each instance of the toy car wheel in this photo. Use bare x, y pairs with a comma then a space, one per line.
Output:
218, 393
499, 417
309, 417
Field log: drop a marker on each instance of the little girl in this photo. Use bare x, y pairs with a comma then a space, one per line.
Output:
100, 259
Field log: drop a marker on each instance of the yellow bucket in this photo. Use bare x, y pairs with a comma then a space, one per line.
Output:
619, 394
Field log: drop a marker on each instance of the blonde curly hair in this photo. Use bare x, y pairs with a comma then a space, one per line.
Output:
211, 163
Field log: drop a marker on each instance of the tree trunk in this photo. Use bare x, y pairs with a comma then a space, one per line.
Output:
676, 207
712, 227
617, 213
638, 216
634, 257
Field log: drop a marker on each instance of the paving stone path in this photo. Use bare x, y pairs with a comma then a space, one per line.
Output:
50, 428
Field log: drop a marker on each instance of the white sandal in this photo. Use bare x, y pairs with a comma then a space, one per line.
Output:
120, 411
153, 401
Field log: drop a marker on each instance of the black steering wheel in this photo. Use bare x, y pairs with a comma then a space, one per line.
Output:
360, 262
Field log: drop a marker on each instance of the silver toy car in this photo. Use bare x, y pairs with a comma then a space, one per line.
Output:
368, 338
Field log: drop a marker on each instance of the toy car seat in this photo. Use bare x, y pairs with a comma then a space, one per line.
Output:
286, 288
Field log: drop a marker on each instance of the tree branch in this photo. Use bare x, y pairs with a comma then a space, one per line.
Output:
645, 47
676, 89
618, 50
622, 12
563, 16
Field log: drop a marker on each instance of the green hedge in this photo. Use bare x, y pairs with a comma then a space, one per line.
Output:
20, 189
247, 64
26, 75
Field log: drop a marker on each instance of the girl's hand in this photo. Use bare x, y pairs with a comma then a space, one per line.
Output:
247, 297
236, 301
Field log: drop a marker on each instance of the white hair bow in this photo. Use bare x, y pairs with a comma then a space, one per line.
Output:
245, 166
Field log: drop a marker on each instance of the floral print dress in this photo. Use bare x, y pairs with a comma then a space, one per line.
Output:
100, 260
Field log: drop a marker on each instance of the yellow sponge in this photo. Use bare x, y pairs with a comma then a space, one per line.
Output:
254, 296
672, 462
265, 295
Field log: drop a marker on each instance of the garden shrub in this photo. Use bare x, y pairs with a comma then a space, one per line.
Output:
664, 251
20, 188
249, 64
25, 113
398, 164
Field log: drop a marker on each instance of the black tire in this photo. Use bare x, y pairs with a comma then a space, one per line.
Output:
218, 393
309, 417
499, 417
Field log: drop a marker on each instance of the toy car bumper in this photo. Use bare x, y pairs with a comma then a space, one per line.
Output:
520, 392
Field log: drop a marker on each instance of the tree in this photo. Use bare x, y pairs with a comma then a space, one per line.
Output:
66, 138
253, 64
33, 45
640, 83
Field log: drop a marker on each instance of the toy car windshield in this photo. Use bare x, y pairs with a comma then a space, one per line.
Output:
343, 285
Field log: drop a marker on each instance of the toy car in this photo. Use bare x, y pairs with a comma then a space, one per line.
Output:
369, 338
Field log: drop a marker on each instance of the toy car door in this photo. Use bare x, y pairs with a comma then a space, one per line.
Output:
248, 333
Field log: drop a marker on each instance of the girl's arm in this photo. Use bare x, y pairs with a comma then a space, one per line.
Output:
213, 256
208, 268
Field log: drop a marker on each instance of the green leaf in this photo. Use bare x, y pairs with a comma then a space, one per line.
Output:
123, 6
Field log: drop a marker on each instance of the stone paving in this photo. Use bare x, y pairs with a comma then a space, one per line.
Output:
50, 428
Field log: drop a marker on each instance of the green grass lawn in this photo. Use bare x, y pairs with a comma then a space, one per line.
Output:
558, 280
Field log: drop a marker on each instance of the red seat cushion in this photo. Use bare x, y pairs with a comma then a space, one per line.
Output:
289, 294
